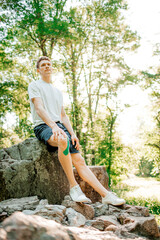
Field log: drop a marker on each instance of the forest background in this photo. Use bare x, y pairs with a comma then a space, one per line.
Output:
87, 41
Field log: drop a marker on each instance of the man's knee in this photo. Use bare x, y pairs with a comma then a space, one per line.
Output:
62, 142
52, 142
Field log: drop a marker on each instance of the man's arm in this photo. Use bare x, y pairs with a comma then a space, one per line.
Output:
67, 124
40, 110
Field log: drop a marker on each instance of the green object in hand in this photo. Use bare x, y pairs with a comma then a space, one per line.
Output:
66, 151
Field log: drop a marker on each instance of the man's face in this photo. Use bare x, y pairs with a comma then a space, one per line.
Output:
45, 68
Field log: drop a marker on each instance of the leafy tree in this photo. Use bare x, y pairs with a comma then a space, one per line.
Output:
34, 24
151, 81
103, 36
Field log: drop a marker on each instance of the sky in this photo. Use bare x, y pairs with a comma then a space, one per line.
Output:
143, 16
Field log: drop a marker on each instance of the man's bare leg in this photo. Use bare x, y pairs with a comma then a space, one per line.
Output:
65, 160
86, 174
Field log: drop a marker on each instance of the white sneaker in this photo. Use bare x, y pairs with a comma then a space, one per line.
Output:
77, 195
112, 199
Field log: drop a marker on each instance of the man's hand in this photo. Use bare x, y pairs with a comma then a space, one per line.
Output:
75, 140
57, 132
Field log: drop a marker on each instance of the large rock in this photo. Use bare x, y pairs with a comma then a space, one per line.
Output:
86, 210
28, 169
102, 176
20, 226
75, 218
18, 204
145, 226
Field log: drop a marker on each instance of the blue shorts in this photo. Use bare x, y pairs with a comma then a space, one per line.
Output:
43, 132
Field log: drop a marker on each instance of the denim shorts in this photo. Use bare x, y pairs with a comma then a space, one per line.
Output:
43, 132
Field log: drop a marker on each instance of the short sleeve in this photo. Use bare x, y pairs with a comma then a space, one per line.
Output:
33, 90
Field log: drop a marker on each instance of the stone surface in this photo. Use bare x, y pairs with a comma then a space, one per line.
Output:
145, 226
3, 215
97, 223
111, 228
28, 169
108, 220
100, 209
3, 234
85, 209
101, 174
88, 233
19, 226
18, 204
75, 218
48, 211
114, 223
138, 211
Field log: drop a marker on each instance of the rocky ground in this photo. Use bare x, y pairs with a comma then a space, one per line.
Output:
28, 169
31, 219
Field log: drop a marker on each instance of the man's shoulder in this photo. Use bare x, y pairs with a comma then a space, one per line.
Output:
33, 84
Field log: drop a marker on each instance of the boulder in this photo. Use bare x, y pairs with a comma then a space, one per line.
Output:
20, 226
100, 209
28, 169
109, 220
86, 210
145, 226
96, 223
75, 218
19, 204
52, 212
101, 175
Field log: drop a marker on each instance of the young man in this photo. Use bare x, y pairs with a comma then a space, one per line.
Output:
53, 127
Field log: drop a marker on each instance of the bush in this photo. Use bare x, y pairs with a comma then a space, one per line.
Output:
145, 167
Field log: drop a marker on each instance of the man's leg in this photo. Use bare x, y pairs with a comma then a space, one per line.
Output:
65, 160
86, 174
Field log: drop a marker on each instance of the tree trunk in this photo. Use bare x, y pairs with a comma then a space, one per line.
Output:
75, 106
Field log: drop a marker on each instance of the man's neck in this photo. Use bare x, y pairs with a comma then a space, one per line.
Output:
47, 79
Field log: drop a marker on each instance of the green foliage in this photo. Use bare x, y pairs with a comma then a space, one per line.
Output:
145, 167
8, 138
35, 24
24, 129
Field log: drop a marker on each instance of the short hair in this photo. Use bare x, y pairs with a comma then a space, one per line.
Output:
40, 59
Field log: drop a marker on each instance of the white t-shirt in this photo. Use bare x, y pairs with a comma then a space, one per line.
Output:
51, 97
